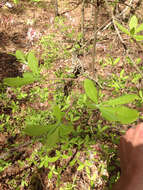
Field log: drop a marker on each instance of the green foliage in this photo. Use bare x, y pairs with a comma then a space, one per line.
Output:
133, 28
121, 113
36, 130
28, 77
33, 63
112, 109
90, 90
122, 28
125, 99
52, 132
118, 82
20, 56
52, 48
57, 113
74, 122
3, 165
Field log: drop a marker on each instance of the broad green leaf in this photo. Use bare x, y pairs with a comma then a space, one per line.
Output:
139, 28
53, 137
35, 130
28, 75
108, 113
65, 129
125, 99
33, 62
90, 90
127, 115
122, 28
138, 37
57, 113
27, 78
20, 56
121, 113
133, 22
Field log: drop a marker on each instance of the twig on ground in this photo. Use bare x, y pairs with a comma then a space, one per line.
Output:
4, 155
73, 156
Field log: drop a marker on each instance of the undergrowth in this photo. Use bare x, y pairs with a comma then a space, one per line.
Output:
73, 125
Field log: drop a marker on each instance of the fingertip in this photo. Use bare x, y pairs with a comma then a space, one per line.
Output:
129, 133
140, 125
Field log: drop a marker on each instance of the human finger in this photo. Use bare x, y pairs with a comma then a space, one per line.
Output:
138, 139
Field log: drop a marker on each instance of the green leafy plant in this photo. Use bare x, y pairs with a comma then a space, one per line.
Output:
113, 109
118, 82
28, 77
53, 132
3, 165
133, 30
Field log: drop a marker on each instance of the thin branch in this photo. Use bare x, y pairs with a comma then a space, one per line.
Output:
4, 155
96, 11
125, 47
82, 20
118, 15
56, 8
73, 156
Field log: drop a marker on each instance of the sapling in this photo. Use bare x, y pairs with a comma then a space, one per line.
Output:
134, 28
28, 77
113, 109
52, 133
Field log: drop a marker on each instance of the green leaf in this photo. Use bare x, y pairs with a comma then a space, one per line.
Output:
121, 113
33, 63
132, 31
108, 113
57, 113
122, 28
125, 99
80, 167
133, 22
20, 56
65, 129
90, 90
52, 159
139, 28
36, 130
116, 61
127, 115
91, 105
138, 37
53, 137
27, 78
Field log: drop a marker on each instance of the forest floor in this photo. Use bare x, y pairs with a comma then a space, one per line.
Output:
56, 41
